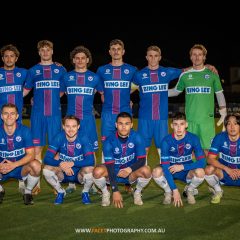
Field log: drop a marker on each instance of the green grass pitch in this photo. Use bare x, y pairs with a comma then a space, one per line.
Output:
45, 221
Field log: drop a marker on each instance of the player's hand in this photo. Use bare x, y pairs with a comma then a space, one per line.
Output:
58, 64
66, 165
8, 166
176, 168
223, 113
177, 201
233, 173
125, 172
117, 199
69, 172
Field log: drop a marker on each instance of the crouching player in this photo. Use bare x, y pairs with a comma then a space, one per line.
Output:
224, 158
75, 163
177, 163
17, 153
125, 157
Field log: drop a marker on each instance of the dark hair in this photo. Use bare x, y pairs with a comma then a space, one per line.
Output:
70, 117
236, 115
81, 49
115, 42
10, 47
179, 116
124, 115
9, 105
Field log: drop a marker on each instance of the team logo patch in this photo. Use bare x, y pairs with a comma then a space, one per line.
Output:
2, 141
90, 78
96, 143
126, 71
172, 149
18, 139
144, 75
163, 74
225, 144
1, 77
78, 146
188, 146
207, 76
56, 70
38, 72
131, 145
190, 76
71, 78
107, 71
116, 150
18, 74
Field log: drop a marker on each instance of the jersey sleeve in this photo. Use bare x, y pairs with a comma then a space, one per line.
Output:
180, 84
108, 152
217, 84
88, 153
140, 146
29, 84
215, 146
100, 85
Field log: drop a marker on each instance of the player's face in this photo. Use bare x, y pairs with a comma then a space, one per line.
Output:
9, 59
124, 126
153, 59
197, 58
179, 128
116, 52
233, 128
9, 116
80, 60
46, 53
71, 128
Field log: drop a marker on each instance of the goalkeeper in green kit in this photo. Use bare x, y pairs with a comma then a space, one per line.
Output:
200, 84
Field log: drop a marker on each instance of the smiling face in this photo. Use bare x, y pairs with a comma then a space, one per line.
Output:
9, 116
71, 127
233, 128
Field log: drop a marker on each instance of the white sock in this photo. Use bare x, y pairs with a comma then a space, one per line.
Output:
103, 161
72, 185
52, 179
195, 182
101, 184
162, 182
1, 188
31, 183
142, 183
213, 181
159, 153
38, 184
88, 182
21, 184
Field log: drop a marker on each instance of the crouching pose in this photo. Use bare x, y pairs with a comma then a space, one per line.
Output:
75, 163
125, 157
177, 162
17, 153
224, 158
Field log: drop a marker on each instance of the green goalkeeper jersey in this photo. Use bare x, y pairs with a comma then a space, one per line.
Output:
200, 86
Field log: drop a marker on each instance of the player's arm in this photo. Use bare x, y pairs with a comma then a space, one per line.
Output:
134, 87
9, 165
26, 91
222, 107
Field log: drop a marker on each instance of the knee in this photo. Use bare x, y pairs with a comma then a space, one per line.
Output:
146, 171
157, 172
209, 170
200, 173
98, 172
35, 165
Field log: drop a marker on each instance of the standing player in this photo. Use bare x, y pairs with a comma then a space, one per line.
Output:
75, 163
17, 153
44, 78
116, 82
12, 79
80, 86
177, 162
224, 158
125, 157
153, 83
200, 84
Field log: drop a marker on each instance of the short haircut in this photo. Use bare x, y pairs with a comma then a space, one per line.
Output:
236, 115
115, 42
9, 105
70, 117
200, 47
179, 116
154, 48
81, 49
10, 47
124, 115
44, 43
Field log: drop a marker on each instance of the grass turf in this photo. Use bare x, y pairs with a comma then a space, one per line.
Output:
44, 220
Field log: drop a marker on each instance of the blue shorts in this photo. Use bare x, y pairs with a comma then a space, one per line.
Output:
42, 126
226, 180
107, 125
182, 176
73, 178
156, 129
15, 173
88, 126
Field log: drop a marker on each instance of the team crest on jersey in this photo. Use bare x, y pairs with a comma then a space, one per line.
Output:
144, 76
107, 71
78, 146
188, 146
1, 77
172, 149
56, 70
2, 141
90, 78
18, 139
190, 76
116, 150
131, 145
163, 74
71, 78
18, 74
206, 76
96, 143
38, 72
225, 145
126, 71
